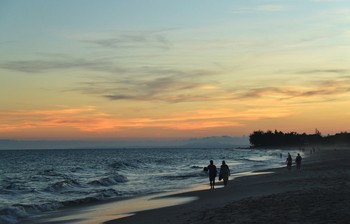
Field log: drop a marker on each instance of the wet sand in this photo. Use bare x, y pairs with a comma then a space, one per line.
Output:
318, 193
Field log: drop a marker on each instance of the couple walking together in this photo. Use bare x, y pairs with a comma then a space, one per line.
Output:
224, 173
297, 161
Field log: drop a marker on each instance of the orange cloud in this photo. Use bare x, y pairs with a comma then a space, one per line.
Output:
88, 119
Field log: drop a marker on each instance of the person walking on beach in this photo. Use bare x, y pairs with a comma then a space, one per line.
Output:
224, 173
289, 161
298, 161
212, 174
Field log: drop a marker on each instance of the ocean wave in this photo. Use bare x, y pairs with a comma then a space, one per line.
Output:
63, 185
197, 167
48, 172
15, 186
160, 161
76, 169
11, 214
14, 213
106, 193
109, 181
120, 165
96, 196
262, 158
39, 178
258, 165
255, 160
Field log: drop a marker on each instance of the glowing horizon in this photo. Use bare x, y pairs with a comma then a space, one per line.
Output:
164, 69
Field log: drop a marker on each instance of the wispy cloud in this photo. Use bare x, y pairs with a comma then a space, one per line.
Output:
169, 90
324, 71
316, 90
145, 83
169, 85
174, 85
265, 92
129, 39
60, 63
179, 86
138, 40
192, 86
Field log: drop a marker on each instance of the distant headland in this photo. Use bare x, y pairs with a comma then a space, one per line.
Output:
280, 139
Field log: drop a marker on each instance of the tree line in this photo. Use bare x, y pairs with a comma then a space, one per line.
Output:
279, 138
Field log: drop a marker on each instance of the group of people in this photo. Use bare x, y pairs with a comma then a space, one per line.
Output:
224, 173
289, 161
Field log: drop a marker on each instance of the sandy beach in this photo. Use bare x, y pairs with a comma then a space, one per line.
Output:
318, 193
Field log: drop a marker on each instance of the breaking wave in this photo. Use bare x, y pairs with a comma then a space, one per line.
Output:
63, 185
14, 213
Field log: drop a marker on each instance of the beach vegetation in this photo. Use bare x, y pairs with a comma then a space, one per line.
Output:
278, 139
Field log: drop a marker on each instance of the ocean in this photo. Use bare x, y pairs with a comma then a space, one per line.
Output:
33, 182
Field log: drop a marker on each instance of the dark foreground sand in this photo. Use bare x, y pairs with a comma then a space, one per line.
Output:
318, 193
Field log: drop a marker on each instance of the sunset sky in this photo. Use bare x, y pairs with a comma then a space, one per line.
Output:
116, 69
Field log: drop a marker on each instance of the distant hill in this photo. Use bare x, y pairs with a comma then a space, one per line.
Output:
212, 142
217, 142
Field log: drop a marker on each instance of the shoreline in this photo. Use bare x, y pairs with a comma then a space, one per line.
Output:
82, 211
320, 185
166, 207
104, 212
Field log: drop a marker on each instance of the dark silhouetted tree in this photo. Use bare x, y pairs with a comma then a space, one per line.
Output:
278, 138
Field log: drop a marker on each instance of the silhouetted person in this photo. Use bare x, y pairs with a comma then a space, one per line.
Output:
224, 173
298, 161
289, 161
212, 174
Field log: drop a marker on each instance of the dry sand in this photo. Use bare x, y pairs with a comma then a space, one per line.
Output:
318, 193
